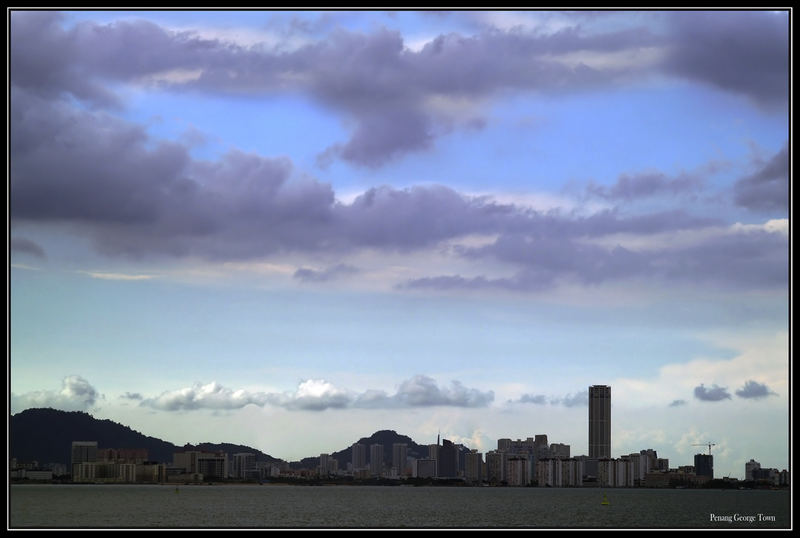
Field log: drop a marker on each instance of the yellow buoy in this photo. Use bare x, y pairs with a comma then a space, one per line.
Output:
605, 500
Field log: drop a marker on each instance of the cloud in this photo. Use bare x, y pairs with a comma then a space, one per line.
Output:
422, 391
745, 52
209, 396
390, 94
677, 403
116, 276
319, 395
314, 395
714, 394
331, 273
573, 400
569, 251
21, 245
754, 389
132, 396
570, 400
645, 185
538, 399
76, 394
767, 189
135, 196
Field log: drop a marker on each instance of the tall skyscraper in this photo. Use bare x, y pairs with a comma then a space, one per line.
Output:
448, 460
359, 456
376, 460
399, 457
599, 421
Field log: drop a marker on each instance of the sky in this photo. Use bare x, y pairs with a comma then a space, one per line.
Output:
291, 229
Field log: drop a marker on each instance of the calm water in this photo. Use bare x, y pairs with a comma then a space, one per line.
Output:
127, 506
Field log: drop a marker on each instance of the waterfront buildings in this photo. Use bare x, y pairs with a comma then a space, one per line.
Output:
599, 421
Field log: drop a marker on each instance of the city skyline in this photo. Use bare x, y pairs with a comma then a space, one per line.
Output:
638, 469
277, 228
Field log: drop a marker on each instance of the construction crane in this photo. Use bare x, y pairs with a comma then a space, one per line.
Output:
709, 445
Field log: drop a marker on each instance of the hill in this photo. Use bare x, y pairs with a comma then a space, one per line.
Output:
383, 437
46, 436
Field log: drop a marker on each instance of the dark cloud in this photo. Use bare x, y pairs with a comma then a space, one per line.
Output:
644, 185
767, 189
383, 88
714, 394
331, 273
754, 389
136, 197
21, 245
558, 253
101, 176
746, 52
76, 394
132, 396
677, 403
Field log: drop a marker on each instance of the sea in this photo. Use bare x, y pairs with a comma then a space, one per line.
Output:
268, 506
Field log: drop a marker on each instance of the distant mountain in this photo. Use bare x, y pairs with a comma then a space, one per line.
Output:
383, 437
46, 436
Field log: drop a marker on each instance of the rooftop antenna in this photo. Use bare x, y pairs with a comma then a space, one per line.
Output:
437, 437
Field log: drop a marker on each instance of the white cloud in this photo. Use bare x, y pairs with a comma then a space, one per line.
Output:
76, 394
319, 395
116, 276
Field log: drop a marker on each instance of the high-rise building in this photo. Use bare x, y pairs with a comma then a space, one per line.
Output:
399, 457
213, 464
376, 460
495, 467
359, 456
84, 451
448, 460
749, 469
473, 467
244, 465
704, 465
599, 421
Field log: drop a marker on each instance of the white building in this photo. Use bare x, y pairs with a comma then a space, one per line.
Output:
244, 465
749, 469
